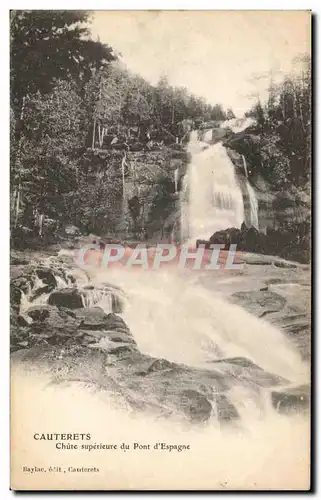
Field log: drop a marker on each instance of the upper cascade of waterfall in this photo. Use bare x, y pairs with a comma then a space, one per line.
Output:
215, 197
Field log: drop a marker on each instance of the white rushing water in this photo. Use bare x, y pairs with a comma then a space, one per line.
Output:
215, 197
171, 315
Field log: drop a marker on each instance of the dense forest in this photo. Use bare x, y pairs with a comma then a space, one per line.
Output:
71, 95
284, 125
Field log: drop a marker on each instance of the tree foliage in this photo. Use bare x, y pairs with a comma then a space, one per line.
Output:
284, 125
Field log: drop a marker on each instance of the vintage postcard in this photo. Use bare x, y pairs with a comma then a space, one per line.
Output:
160, 202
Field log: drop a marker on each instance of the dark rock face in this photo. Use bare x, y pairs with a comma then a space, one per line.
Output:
226, 411
292, 400
15, 297
170, 389
246, 239
259, 302
35, 278
71, 342
226, 237
280, 242
39, 313
48, 277
249, 373
67, 297
92, 296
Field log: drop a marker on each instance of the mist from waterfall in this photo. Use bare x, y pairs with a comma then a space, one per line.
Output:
215, 198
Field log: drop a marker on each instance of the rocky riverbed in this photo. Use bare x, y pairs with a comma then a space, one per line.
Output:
72, 329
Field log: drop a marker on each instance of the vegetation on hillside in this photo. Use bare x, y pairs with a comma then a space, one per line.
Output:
283, 150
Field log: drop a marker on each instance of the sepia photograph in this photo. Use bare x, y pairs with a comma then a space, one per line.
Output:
160, 250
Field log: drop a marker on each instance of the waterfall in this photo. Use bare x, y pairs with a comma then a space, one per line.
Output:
215, 197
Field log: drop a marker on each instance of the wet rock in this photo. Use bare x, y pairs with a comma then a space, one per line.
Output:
16, 271
239, 361
227, 237
145, 383
52, 325
119, 337
259, 301
251, 240
17, 319
67, 297
48, 277
224, 409
107, 340
18, 258
93, 295
64, 363
117, 304
292, 400
36, 279
245, 371
196, 406
284, 264
39, 313
15, 297
94, 318
116, 323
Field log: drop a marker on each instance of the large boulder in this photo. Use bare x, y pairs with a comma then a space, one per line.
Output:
244, 369
226, 237
249, 239
67, 297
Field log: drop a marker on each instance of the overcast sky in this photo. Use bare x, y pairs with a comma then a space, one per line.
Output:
213, 53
